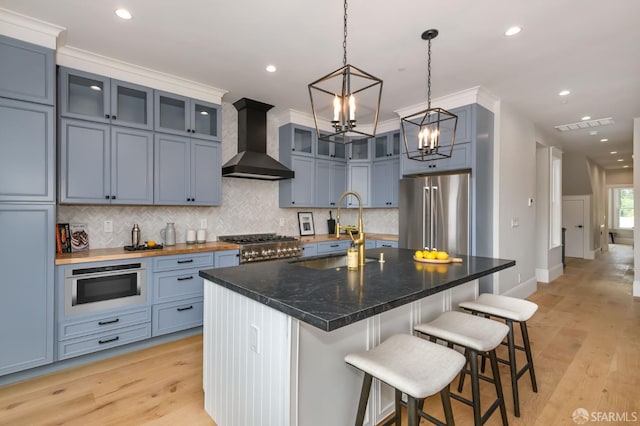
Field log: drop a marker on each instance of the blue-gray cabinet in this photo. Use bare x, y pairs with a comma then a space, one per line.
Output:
333, 150
359, 150
27, 71
385, 182
330, 247
187, 171
386, 145
330, 182
385, 243
225, 258
98, 98
300, 191
26, 299
359, 180
102, 164
27, 151
184, 116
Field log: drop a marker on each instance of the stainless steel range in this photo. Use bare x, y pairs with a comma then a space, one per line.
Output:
258, 247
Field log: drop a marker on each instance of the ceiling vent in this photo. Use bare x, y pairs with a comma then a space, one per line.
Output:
587, 124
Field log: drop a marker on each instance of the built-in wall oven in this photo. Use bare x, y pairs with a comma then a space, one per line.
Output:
104, 287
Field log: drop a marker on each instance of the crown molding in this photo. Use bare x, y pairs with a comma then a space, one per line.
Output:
28, 29
306, 119
473, 95
91, 62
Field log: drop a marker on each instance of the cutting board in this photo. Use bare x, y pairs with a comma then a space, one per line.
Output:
449, 260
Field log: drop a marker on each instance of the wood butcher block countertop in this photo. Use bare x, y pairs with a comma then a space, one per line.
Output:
97, 255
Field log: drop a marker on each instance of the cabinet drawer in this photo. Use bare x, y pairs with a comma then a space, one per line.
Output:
97, 342
72, 329
175, 316
333, 246
310, 249
169, 263
382, 243
168, 286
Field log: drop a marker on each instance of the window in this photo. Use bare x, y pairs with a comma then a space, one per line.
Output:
621, 208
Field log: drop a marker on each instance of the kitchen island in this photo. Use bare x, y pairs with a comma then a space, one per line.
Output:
275, 333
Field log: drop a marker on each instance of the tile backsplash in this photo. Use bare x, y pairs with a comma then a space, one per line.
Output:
248, 206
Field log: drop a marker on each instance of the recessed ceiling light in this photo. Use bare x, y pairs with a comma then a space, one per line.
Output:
564, 93
123, 14
512, 31
271, 68
204, 113
613, 152
593, 132
604, 140
625, 166
96, 88
586, 117
620, 159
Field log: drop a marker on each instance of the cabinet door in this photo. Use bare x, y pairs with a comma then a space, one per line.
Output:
338, 182
131, 105
206, 120
27, 71
171, 113
359, 182
303, 188
84, 95
359, 150
225, 258
84, 162
323, 183
171, 170
380, 187
131, 166
27, 150
381, 146
26, 305
206, 173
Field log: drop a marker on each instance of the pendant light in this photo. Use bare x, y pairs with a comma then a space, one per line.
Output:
429, 134
350, 96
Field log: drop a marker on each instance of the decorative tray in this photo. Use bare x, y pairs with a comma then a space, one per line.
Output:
143, 247
449, 260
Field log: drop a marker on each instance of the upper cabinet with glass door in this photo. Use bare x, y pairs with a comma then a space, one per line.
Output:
386, 145
97, 98
333, 150
180, 115
359, 150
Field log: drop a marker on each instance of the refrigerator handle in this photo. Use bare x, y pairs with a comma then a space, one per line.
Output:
426, 217
434, 211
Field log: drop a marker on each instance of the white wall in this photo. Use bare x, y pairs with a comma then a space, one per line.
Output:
516, 182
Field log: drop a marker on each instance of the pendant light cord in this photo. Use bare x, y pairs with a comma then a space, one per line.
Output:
428, 75
344, 43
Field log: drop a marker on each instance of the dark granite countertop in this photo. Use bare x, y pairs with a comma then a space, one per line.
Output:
332, 298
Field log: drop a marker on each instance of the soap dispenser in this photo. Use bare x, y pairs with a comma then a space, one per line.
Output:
352, 258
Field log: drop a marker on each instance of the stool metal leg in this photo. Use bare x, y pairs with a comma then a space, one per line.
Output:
364, 398
498, 384
446, 406
475, 387
513, 370
527, 350
397, 416
412, 411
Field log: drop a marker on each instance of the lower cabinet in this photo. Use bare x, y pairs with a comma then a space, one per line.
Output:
328, 247
384, 243
176, 316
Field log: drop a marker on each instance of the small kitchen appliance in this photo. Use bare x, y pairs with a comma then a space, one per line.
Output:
259, 247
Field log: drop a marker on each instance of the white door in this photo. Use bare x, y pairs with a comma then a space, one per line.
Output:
573, 221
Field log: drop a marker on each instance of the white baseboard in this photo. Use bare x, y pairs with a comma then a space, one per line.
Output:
548, 275
523, 290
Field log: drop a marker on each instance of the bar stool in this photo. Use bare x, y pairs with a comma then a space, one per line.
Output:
509, 309
412, 366
478, 336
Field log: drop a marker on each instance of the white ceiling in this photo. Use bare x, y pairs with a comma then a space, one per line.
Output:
589, 47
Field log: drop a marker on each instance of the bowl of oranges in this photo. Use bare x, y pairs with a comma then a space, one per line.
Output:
434, 256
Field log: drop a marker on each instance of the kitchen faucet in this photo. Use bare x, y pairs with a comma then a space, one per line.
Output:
360, 241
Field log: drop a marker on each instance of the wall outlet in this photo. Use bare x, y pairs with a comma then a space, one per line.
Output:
281, 222
203, 224
519, 279
515, 222
108, 226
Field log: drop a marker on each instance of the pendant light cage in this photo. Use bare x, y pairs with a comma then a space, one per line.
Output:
429, 134
346, 102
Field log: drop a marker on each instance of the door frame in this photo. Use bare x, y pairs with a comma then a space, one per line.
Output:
589, 253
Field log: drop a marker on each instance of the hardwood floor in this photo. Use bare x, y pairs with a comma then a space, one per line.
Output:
585, 338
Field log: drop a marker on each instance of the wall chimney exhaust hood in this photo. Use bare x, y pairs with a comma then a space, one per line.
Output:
252, 161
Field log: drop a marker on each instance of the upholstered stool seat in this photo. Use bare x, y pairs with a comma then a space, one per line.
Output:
509, 309
412, 366
478, 336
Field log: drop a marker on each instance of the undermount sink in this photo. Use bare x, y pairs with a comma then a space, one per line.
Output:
328, 262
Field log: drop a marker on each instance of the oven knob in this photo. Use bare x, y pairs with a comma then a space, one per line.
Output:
279, 252
254, 253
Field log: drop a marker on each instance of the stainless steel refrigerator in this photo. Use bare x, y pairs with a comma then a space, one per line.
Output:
435, 213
